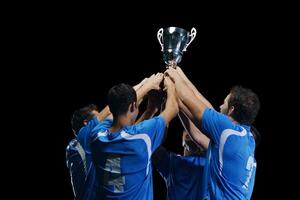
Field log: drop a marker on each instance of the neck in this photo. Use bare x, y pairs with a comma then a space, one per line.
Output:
118, 124
115, 126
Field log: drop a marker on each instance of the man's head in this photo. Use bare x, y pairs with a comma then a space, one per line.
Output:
122, 102
82, 116
189, 147
241, 104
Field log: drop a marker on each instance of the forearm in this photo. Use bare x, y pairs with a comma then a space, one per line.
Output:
171, 107
195, 91
141, 93
195, 106
139, 85
190, 100
149, 113
104, 114
185, 110
201, 97
197, 136
172, 104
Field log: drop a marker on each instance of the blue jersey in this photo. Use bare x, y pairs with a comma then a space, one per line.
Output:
79, 162
123, 159
182, 174
232, 165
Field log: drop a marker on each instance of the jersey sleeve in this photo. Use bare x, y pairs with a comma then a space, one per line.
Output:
107, 121
95, 122
71, 152
214, 123
74, 157
85, 132
154, 128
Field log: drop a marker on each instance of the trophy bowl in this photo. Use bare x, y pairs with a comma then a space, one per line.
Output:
174, 41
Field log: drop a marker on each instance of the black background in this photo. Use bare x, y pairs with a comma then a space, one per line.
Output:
76, 56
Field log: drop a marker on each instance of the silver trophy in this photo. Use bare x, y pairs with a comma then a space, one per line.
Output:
174, 42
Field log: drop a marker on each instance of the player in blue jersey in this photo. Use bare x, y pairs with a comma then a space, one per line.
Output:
231, 165
78, 153
183, 174
122, 150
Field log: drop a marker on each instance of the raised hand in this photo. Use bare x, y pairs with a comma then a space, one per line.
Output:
139, 85
168, 84
173, 74
154, 81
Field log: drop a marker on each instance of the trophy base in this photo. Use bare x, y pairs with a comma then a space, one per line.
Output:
172, 57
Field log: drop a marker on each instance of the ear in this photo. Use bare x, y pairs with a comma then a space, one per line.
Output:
131, 107
134, 107
230, 110
85, 122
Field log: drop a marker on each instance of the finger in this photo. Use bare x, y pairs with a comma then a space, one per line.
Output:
152, 76
143, 81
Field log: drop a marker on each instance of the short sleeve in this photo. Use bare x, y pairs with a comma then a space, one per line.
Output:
85, 132
214, 123
154, 128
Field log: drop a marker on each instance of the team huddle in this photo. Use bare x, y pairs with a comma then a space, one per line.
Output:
113, 152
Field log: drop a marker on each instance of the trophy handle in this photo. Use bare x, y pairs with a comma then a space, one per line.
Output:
192, 35
159, 35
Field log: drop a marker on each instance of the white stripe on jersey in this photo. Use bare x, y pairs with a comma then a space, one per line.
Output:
143, 137
224, 135
100, 134
128, 136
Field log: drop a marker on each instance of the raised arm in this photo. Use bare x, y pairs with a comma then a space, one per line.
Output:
154, 104
151, 83
187, 96
194, 89
139, 85
103, 114
197, 136
171, 107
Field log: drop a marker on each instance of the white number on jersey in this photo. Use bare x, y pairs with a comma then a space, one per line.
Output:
250, 165
112, 174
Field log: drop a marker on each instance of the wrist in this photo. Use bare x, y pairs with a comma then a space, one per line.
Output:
147, 87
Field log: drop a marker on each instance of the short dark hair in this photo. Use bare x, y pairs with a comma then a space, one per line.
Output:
81, 114
246, 105
119, 98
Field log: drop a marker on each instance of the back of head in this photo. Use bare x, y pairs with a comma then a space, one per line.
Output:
119, 98
82, 114
246, 105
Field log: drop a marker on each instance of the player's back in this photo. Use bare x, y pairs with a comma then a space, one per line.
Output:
182, 174
79, 162
82, 172
233, 169
122, 161
231, 166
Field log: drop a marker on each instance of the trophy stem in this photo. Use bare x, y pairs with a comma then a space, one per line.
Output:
171, 63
